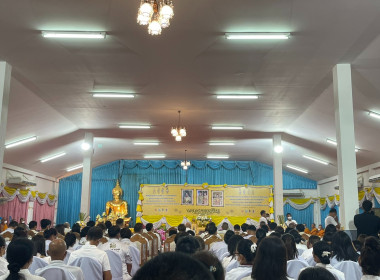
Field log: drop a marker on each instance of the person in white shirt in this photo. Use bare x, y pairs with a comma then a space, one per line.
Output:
316, 273
33, 226
91, 250
125, 235
220, 248
232, 242
71, 241
369, 259
307, 254
224, 228
3, 261
57, 252
11, 228
83, 235
263, 217
67, 227
50, 235
289, 220
245, 254
251, 231
322, 254
114, 244
332, 219
20, 257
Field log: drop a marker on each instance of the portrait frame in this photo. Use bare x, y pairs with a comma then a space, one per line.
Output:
202, 198
190, 194
217, 198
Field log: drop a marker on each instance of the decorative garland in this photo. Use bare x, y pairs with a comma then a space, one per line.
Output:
27, 195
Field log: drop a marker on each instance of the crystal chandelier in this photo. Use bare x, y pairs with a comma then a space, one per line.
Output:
156, 14
185, 164
178, 132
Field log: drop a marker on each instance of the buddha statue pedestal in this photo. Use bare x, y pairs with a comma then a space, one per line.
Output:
117, 208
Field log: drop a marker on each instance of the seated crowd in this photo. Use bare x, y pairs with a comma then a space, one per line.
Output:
263, 252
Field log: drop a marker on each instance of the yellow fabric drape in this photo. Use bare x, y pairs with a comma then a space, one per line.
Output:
322, 200
377, 190
300, 200
10, 191
42, 195
24, 192
361, 195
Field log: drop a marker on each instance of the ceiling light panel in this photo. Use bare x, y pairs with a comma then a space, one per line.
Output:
223, 127
237, 96
297, 168
257, 36
218, 157
72, 168
53, 157
20, 142
154, 156
146, 143
321, 161
221, 144
112, 95
73, 35
333, 142
374, 115
128, 126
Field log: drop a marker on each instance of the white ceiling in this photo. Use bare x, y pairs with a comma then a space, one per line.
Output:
183, 69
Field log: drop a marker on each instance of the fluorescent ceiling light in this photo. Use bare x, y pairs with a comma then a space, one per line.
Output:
53, 157
237, 96
74, 34
74, 167
85, 146
218, 157
297, 168
146, 143
134, 126
154, 156
113, 95
257, 36
316, 159
374, 115
221, 144
278, 149
227, 127
333, 142
19, 142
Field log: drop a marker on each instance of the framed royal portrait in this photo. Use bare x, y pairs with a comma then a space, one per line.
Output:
202, 197
187, 197
217, 198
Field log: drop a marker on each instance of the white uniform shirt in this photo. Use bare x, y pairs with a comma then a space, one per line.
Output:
226, 261
76, 271
128, 242
216, 246
91, 251
47, 244
3, 266
240, 272
122, 249
338, 274
330, 221
307, 254
26, 274
370, 277
289, 222
263, 219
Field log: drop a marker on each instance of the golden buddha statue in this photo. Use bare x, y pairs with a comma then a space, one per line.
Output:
116, 208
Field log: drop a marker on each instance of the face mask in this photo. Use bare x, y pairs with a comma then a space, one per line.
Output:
290, 218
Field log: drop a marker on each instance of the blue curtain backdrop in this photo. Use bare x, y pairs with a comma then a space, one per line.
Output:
325, 213
133, 173
305, 216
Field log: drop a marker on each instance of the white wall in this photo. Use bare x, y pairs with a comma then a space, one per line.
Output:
45, 184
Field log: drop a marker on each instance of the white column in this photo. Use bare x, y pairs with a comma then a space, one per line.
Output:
277, 178
87, 175
5, 81
345, 136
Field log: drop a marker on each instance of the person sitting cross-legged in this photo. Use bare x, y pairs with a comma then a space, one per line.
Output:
57, 252
114, 244
90, 250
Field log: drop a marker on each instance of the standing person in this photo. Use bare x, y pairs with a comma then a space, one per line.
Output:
114, 244
57, 252
367, 223
263, 217
289, 220
19, 257
91, 250
332, 219
270, 261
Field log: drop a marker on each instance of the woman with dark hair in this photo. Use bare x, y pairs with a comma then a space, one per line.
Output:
316, 273
270, 261
369, 259
245, 254
290, 245
298, 239
39, 247
342, 248
322, 254
260, 235
212, 263
231, 246
19, 257
3, 262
